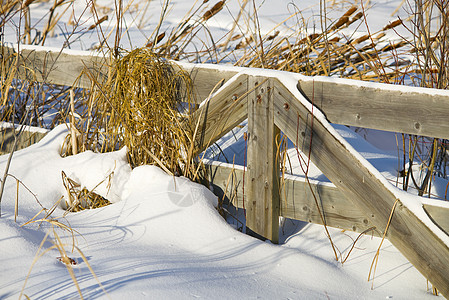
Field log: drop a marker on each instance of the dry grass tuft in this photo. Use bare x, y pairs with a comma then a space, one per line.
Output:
144, 106
80, 198
331, 52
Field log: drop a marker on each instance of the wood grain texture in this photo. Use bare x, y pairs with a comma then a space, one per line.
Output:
56, 67
409, 111
296, 200
227, 179
225, 110
205, 78
262, 211
439, 215
62, 68
420, 245
27, 138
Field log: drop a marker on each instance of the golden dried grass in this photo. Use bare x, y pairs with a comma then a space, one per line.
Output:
329, 53
144, 106
79, 198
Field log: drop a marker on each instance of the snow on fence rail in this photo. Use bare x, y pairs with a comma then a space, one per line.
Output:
278, 101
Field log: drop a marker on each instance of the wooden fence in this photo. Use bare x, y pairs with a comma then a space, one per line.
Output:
358, 199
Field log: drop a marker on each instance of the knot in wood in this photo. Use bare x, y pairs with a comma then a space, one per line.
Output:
259, 99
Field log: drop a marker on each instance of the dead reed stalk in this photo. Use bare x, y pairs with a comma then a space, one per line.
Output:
143, 106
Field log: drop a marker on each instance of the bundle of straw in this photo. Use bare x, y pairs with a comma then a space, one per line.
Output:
142, 106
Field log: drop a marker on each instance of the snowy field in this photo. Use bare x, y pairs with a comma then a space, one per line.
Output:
162, 237
160, 242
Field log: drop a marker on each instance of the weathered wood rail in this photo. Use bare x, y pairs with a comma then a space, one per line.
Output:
27, 138
302, 108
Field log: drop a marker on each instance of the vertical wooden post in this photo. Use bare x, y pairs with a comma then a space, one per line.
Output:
262, 214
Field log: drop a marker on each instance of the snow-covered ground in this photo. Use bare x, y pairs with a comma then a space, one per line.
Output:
162, 237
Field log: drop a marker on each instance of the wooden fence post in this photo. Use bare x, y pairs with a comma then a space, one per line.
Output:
262, 205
